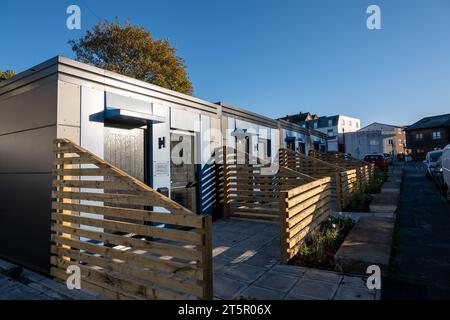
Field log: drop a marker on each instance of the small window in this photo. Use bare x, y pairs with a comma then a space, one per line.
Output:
373, 142
350, 123
357, 124
391, 142
330, 123
315, 125
343, 122
436, 135
419, 136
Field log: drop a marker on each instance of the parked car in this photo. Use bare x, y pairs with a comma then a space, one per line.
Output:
445, 160
438, 176
378, 160
431, 160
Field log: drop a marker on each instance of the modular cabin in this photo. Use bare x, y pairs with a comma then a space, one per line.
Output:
163, 138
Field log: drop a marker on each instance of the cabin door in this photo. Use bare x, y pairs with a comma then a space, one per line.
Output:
183, 170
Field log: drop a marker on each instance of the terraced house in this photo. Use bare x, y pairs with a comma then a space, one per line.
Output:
139, 128
428, 134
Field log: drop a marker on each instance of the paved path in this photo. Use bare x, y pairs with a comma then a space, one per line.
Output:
420, 264
35, 286
246, 266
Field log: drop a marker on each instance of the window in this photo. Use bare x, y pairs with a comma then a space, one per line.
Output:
391, 142
330, 123
343, 122
373, 142
436, 135
350, 123
357, 124
315, 125
419, 136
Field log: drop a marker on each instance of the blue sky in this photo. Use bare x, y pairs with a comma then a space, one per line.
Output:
272, 57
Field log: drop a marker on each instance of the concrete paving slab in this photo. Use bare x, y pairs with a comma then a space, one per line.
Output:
259, 293
384, 202
391, 186
354, 293
259, 274
359, 282
227, 288
276, 281
7, 284
323, 275
20, 293
369, 243
219, 263
260, 260
315, 289
244, 272
290, 270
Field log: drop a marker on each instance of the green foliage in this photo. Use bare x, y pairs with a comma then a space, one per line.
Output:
361, 195
320, 249
132, 51
376, 182
359, 202
6, 74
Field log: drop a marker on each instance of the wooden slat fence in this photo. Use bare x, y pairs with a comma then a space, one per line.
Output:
345, 183
364, 172
160, 251
311, 166
249, 194
296, 200
303, 209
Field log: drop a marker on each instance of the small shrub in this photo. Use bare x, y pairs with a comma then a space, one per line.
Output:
320, 249
359, 202
374, 185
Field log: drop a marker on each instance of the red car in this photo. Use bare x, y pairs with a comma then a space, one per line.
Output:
378, 160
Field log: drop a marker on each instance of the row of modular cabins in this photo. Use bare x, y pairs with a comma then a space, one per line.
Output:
132, 124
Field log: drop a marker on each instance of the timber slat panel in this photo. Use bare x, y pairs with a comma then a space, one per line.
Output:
140, 229
125, 253
149, 246
135, 214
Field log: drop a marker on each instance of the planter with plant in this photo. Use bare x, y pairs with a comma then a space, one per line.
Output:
319, 250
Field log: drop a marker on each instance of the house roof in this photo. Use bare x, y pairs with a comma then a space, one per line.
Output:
381, 124
431, 122
300, 117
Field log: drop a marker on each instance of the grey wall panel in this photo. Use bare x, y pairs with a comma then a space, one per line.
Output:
71, 133
91, 135
32, 109
25, 206
69, 104
28, 151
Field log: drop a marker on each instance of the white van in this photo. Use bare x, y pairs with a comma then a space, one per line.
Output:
446, 169
431, 160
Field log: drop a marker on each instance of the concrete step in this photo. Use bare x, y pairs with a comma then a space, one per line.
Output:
391, 186
395, 176
384, 202
369, 243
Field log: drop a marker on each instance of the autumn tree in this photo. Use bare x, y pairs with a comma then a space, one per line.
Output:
6, 74
132, 51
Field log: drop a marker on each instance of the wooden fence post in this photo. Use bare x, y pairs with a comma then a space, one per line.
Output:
339, 193
208, 293
226, 205
284, 216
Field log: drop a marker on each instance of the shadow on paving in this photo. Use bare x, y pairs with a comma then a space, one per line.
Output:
420, 262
